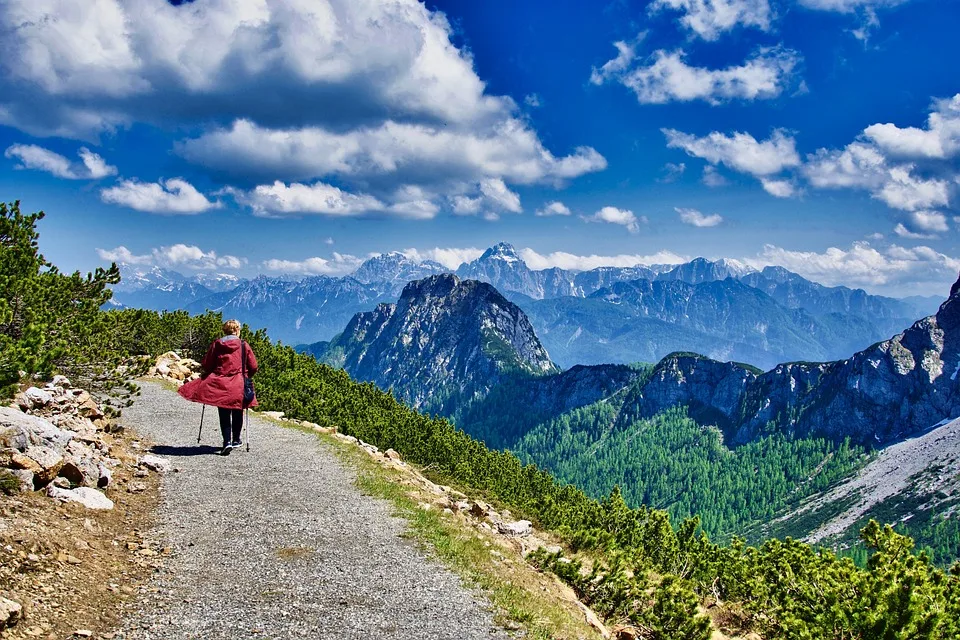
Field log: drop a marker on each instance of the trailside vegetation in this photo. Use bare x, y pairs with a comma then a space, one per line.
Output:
644, 569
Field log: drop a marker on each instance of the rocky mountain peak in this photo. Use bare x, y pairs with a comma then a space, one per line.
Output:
446, 337
501, 251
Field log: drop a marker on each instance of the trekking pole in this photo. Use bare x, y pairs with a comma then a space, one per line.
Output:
247, 427
202, 411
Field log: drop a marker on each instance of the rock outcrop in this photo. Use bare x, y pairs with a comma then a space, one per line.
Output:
889, 391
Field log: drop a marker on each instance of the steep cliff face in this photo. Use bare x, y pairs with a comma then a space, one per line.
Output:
889, 391
444, 338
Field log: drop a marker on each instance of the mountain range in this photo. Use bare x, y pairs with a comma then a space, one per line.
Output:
747, 445
720, 308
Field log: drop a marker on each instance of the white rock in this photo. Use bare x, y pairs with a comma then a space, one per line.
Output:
18, 430
276, 415
38, 397
517, 528
106, 476
156, 463
10, 612
61, 381
90, 498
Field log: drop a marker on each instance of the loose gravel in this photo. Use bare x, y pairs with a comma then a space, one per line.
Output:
278, 543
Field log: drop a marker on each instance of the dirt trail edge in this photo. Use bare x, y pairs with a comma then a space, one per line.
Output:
278, 543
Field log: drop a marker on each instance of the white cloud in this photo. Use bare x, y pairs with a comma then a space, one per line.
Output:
31, 156
118, 62
173, 256
740, 151
281, 200
902, 231
858, 165
710, 18
339, 265
933, 221
491, 198
697, 219
779, 188
533, 100
392, 152
939, 140
905, 191
370, 96
450, 257
713, 178
848, 6
622, 217
673, 171
555, 208
897, 269
173, 196
666, 77
575, 262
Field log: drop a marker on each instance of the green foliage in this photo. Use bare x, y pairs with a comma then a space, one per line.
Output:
51, 322
9, 483
597, 447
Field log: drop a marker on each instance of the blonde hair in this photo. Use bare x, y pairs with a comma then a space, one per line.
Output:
231, 327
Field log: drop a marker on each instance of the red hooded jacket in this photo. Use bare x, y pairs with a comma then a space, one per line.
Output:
222, 383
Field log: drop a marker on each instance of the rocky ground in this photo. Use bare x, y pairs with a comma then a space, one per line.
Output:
77, 500
926, 465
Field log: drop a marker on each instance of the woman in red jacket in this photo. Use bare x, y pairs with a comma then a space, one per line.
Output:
221, 385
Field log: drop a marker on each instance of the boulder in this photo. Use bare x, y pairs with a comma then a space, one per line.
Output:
155, 463
10, 613
22, 401
38, 397
15, 425
518, 528
393, 455
88, 497
44, 462
26, 479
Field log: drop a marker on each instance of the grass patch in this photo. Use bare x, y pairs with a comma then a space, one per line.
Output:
523, 598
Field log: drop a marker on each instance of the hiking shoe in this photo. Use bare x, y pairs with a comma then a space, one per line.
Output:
226, 450
236, 444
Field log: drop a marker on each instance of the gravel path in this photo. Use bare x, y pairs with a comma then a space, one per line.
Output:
278, 543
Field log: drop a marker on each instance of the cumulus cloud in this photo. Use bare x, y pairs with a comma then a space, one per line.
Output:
779, 188
173, 196
740, 151
173, 256
666, 77
31, 156
370, 96
863, 166
555, 208
897, 269
696, 219
296, 199
492, 197
711, 18
533, 100
405, 152
939, 140
575, 262
339, 265
622, 217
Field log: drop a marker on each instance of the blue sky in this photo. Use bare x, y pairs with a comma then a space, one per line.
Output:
301, 136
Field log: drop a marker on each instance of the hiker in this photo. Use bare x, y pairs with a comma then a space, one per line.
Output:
222, 382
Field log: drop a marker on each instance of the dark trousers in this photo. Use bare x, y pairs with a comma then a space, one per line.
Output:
231, 424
